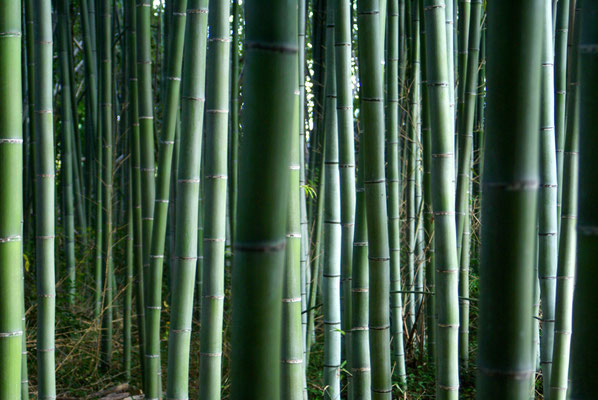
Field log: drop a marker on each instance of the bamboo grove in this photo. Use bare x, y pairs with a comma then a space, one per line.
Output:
309, 199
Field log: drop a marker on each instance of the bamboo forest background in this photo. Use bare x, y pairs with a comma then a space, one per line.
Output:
296, 199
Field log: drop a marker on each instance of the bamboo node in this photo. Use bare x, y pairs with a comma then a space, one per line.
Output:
197, 11
11, 140
448, 388
10, 34
382, 390
13, 238
360, 290
515, 374
216, 177
276, 48
10, 334
362, 369
211, 354
291, 300
152, 355
292, 361
380, 328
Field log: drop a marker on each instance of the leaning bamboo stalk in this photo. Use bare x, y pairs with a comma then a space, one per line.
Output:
547, 213
568, 228
153, 301
188, 187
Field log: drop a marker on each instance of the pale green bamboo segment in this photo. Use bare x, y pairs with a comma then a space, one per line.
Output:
292, 376
331, 272
466, 126
360, 342
547, 212
346, 140
372, 100
567, 252
44, 200
442, 169
11, 208
106, 116
153, 301
270, 81
560, 86
510, 186
67, 159
146, 135
583, 347
188, 187
214, 217
392, 129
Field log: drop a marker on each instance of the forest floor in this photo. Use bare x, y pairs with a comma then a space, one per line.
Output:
79, 376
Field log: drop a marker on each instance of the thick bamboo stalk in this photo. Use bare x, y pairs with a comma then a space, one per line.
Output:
583, 348
446, 262
187, 212
214, 217
11, 209
371, 94
44, 201
269, 85
510, 180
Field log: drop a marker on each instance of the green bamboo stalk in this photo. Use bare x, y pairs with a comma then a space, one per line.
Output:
146, 140
560, 87
331, 257
392, 132
128, 286
269, 84
187, 212
90, 66
427, 210
568, 228
467, 103
346, 147
105, 57
466, 126
446, 262
360, 342
375, 192
305, 268
67, 149
292, 372
11, 209
547, 217
136, 179
510, 180
450, 52
216, 170
153, 300
29, 133
581, 374
463, 34
234, 119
